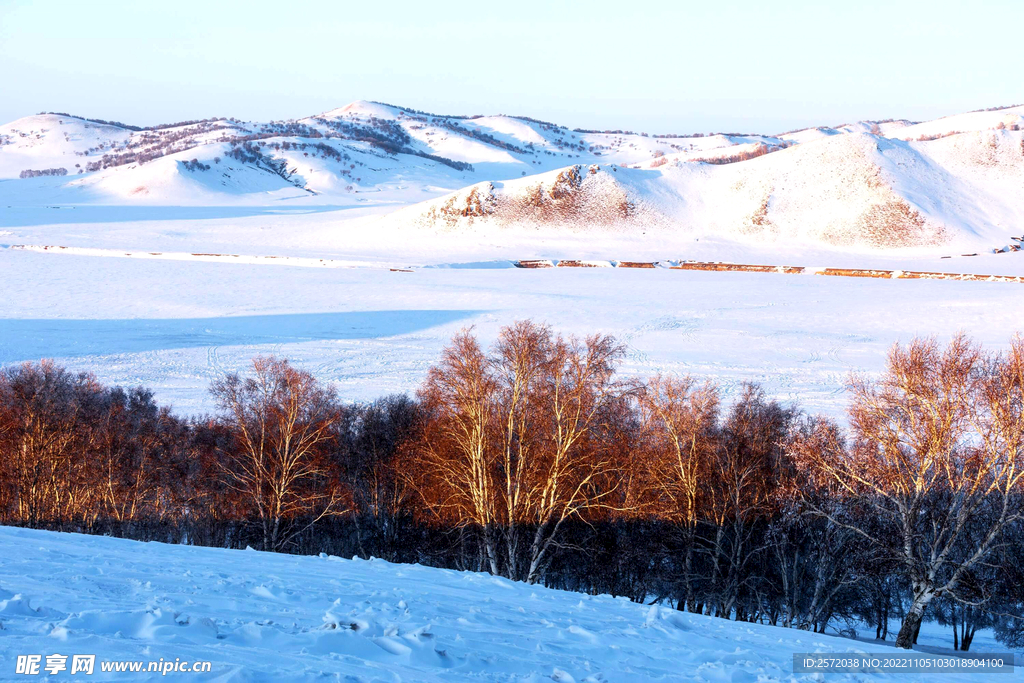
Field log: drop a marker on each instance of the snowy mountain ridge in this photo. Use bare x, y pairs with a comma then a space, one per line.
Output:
956, 181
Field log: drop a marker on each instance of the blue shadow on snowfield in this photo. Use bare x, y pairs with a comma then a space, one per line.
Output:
15, 216
32, 339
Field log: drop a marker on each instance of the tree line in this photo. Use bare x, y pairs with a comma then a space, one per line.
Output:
37, 173
534, 460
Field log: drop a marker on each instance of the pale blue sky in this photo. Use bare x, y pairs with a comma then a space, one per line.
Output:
653, 66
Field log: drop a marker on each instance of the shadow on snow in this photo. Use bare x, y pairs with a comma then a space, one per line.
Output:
32, 339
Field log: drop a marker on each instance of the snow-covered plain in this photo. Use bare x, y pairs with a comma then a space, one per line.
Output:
176, 325
271, 617
176, 322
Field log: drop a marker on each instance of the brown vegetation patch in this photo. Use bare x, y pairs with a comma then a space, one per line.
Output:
575, 198
760, 223
737, 267
894, 223
536, 263
856, 272
760, 149
572, 263
477, 202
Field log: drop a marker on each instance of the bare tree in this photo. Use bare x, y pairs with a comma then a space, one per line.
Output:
521, 362
373, 457
743, 477
937, 457
280, 419
579, 390
508, 442
45, 438
532, 460
127, 449
681, 419
456, 469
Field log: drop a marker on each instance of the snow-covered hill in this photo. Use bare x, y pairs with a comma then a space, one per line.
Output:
268, 617
964, 191
954, 183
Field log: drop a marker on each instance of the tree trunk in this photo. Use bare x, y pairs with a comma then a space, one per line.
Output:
538, 549
912, 622
688, 575
512, 551
274, 531
492, 556
965, 642
905, 638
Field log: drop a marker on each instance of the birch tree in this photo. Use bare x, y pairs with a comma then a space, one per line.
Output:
280, 419
681, 419
937, 457
571, 471
456, 465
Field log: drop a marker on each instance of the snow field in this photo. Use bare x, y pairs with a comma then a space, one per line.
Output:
373, 332
269, 617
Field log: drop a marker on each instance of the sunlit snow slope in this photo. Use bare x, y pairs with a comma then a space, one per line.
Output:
952, 183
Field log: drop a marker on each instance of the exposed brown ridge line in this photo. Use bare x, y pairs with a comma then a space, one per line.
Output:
717, 266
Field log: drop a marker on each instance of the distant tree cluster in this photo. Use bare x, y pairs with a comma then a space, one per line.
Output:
546, 125
423, 115
195, 165
381, 133
181, 124
319, 149
457, 165
155, 143
603, 132
448, 121
1000, 108
31, 173
533, 460
251, 153
928, 137
760, 149
126, 126
386, 135
116, 124
476, 134
945, 134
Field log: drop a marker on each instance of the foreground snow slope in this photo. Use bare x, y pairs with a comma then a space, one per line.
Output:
267, 617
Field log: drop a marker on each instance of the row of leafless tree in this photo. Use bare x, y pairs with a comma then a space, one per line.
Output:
36, 173
533, 460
